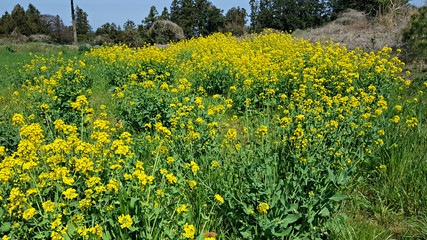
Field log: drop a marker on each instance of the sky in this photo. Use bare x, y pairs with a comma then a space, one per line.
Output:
103, 11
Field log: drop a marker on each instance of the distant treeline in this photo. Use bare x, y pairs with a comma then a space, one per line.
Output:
188, 18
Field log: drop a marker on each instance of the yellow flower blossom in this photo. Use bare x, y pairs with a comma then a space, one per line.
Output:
189, 231
125, 221
263, 207
219, 198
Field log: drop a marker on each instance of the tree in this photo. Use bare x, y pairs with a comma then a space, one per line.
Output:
235, 20
208, 18
152, 16
112, 30
182, 13
35, 23
196, 17
129, 25
130, 33
6, 24
19, 20
165, 14
255, 25
73, 17
288, 14
56, 29
164, 31
82, 24
415, 35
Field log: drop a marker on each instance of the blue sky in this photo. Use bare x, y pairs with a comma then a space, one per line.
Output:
102, 11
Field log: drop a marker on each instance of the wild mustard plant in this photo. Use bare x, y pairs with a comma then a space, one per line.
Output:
251, 138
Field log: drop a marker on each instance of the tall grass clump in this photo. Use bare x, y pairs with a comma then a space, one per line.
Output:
209, 138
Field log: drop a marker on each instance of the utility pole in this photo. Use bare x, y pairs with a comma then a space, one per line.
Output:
73, 17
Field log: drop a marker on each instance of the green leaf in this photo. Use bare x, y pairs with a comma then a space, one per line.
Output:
132, 228
283, 233
70, 228
204, 217
331, 175
338, 197
293, 208
246, 234
5, 227
38, 224
291, 218
132, 202
106, 235
324, 212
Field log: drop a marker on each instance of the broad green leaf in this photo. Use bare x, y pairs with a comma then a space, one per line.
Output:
324, 212
132, 202
338, 197
5, 227
132, 228
291, 218
283, 233
106, 235
331, 175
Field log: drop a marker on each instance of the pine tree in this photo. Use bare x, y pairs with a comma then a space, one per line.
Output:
129, 25
19, 20
235, 20
165, 14
255, 26
288, 14
152, 16
196, 17
35, 23
82, 23
6, 24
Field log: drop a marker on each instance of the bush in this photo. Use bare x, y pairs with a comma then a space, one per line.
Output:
415, 35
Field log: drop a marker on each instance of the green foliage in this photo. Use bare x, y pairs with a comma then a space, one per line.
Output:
111, 30
82, 23
287, 15
415, 35
161, 91
196, 17
235, 21
151, 18
25, 22
165, 14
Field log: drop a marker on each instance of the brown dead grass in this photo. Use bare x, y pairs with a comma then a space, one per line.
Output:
357, 29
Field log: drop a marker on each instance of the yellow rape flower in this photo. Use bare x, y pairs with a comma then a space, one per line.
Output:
56, 236
262, 130
70, 193
125, 221
29, 213
170, 160
219, 198
189, 231
194, 167
48, 206
231, 134
171, 178
263, 207
18, 119
395, 119
182, 208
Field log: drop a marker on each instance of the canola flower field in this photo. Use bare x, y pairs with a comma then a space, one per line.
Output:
209, 138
